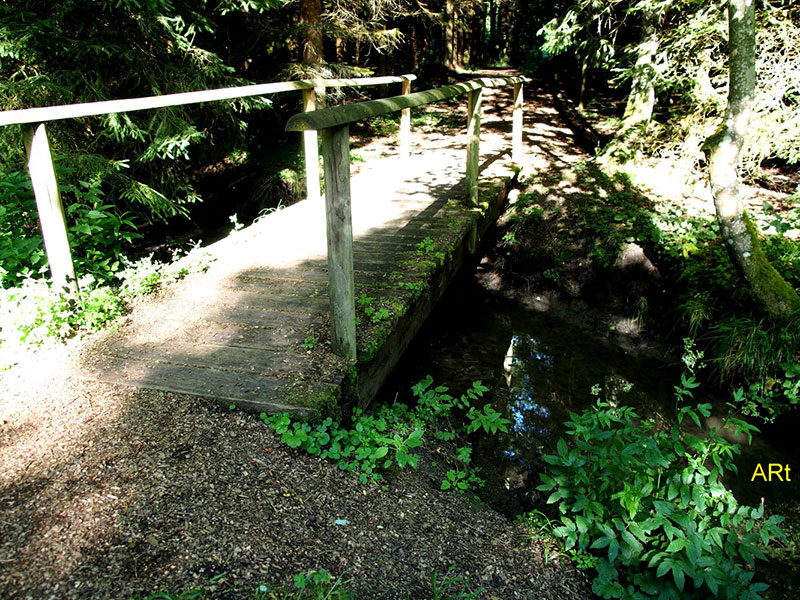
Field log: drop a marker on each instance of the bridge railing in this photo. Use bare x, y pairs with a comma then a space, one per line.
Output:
43, 175
334, 127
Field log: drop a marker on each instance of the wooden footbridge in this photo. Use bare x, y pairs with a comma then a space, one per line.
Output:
311, 307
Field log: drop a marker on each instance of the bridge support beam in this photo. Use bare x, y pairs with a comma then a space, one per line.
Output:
473, 144
404, 137
311, 148
341, 274
51, 211
516, 126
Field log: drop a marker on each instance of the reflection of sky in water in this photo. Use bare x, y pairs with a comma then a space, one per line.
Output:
528, 374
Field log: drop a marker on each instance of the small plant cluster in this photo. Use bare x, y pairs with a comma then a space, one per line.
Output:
387, 439
33, 313
309, 342
773, 397
652, 505
320, 585
373, 311
540, 528
427, 248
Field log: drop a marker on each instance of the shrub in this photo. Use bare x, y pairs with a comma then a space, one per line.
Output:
97, 230
651, 503
31, 313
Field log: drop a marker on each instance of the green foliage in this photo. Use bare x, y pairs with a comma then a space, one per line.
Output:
387, 438
78, 51
309, 342
312, 585
32, 313
414, 286
652, 505
318, 585
424, 247
444, 589
489, 419
374, 312
97, 231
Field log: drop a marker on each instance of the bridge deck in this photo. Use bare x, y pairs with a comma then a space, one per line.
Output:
235, 333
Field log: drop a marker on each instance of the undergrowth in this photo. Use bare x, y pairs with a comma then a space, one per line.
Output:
388, 437
650, 504
320, 585
681, 283
33, 313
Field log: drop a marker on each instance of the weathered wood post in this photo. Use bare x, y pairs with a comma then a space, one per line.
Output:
51, 211
341, 278
405, 122
473, 144
516, 127
311, 148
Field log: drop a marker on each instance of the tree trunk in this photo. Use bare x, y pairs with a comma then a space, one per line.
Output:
776, 296
492, 30
476, 36
449, 35
584, 70
339, 50
641, 100
311, 18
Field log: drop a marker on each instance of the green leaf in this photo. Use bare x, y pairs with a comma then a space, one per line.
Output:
445, 485
678, 576
380, 452
664, 567
676, 545
415, 438
561, 447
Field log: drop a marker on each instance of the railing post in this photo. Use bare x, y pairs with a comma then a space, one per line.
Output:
341, 278
405, 122
48, 204
311, 148
473, 144
516, 127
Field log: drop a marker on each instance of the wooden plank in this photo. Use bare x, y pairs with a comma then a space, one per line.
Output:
51, 211
298, 316
516, 126
279, 336
249, 391
234, 359
336, 154
103, 107
349, 113
473, 145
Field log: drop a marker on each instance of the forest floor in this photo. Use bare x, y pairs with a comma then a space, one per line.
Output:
112, 492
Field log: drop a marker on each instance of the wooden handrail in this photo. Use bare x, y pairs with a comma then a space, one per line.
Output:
45, 114
43, 175
350, 113
334, 127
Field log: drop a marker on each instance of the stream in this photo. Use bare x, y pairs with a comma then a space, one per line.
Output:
539, 368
